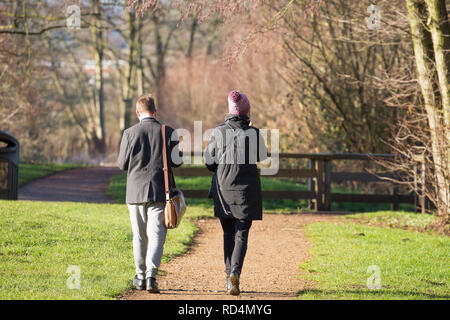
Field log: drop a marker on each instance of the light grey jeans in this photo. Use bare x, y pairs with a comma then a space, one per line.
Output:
149, 235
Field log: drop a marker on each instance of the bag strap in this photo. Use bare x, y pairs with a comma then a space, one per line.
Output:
166, 167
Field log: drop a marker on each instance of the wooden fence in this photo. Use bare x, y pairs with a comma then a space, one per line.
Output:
320, 176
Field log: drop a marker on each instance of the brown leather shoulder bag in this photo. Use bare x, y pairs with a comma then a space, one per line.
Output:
175, 205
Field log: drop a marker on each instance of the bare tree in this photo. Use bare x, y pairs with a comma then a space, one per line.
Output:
99, 115
431, 51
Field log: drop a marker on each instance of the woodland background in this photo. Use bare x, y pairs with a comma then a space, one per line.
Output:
315, 70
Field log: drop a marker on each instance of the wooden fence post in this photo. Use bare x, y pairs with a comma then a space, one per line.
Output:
416, 193
320, 185
312, 185
419, 184
423, 187
394, 205
327, 191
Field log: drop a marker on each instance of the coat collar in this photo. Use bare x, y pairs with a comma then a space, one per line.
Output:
149, 119
237, 121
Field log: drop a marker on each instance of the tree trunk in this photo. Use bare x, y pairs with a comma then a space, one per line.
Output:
160, 65
97, 34
423, 50
440, 33
129, 80
139, 62
192, 37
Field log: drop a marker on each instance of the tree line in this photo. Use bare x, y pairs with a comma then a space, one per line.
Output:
313, 69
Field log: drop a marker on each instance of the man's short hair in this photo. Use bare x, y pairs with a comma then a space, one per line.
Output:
146, 104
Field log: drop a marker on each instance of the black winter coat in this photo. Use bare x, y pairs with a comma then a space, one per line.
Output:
232, 153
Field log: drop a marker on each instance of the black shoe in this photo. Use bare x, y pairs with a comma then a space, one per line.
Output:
139, 284
234, 279
152, 286
228, 285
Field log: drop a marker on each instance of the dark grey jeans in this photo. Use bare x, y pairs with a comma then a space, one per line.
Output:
235, 238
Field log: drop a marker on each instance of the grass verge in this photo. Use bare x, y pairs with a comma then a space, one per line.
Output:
411, 265
40, 240
396, 219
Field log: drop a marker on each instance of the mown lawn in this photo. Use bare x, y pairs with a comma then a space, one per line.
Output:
396, 219
29, 172
411, 265
40, 240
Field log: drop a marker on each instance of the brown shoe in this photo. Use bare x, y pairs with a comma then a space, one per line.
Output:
234, 279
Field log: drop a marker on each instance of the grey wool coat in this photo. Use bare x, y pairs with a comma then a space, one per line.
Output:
232, 153
141, 156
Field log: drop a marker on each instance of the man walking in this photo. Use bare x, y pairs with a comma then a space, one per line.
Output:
141, 156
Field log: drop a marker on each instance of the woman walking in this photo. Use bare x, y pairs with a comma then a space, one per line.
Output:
232, 153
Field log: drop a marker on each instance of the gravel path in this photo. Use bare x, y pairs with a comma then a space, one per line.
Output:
78, 185
276, 248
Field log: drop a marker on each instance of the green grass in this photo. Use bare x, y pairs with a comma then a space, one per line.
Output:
203, 183
367, 207
395, 219
412, 265
29, 172
39, 240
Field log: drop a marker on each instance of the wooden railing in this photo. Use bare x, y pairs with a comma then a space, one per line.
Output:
320, 176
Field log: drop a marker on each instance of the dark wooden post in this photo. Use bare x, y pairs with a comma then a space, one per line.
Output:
419, 184
422, 187
327, 191
416, 191
394, 197
319, 185
312, 184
